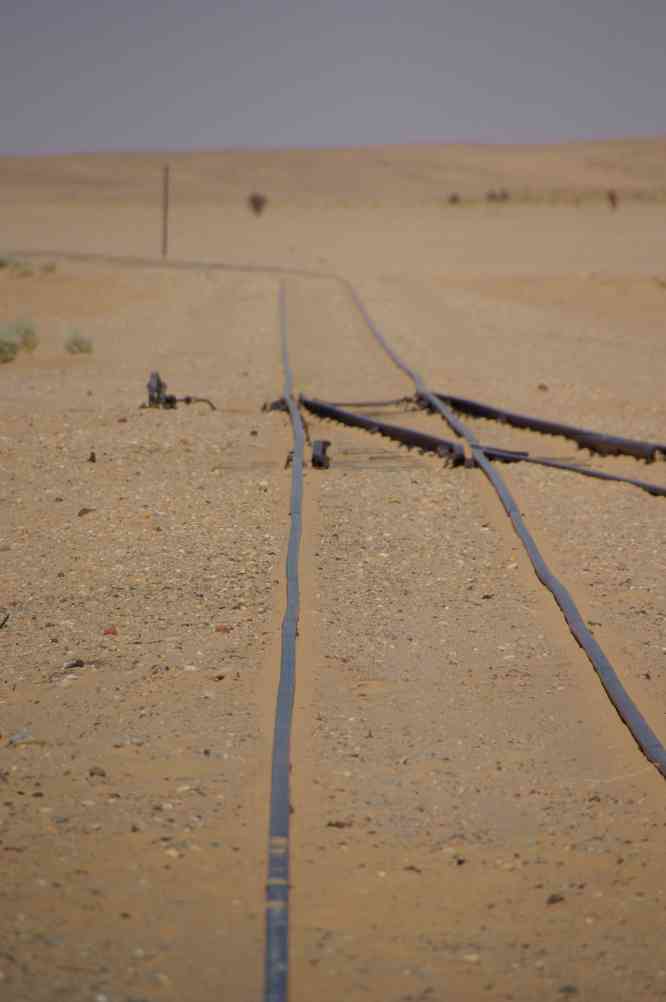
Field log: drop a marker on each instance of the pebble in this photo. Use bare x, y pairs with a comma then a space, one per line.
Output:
73, 663
20, 737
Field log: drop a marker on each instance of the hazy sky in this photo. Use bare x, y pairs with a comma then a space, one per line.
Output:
144, 74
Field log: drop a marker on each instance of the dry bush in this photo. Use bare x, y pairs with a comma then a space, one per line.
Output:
25, 334
8, 346
78, 344
257, 202
19, 336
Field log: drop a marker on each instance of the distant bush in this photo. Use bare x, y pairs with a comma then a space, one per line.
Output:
257, 202
16, 268
8, 346
15, 337
78, 344
25, 334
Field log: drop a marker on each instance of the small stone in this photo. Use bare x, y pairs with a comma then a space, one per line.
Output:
471, 958
554, 899
96, 770
110, 631
85, 511
73, 663
21, 737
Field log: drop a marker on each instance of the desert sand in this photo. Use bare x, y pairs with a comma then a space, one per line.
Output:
471, 819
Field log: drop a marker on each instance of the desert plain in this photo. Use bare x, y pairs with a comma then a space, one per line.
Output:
471, 819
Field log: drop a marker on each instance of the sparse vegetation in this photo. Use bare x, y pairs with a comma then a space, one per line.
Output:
24, 269
25, 334
21, 335
16, 268
77, 343
8, 347
257, 202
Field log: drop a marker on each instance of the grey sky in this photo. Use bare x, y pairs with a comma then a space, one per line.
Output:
175, 75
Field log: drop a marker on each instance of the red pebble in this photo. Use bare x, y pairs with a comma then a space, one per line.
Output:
111, 631
221, 628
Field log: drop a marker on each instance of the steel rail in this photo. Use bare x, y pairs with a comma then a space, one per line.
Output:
451, 451
640, 730
656, 490
444, 447
594, 441
276, 962
628, 712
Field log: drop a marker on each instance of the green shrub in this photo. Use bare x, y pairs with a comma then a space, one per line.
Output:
25, 334
8, 346
78, 344
16, 267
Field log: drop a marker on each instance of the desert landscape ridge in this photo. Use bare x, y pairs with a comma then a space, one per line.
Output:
468, 817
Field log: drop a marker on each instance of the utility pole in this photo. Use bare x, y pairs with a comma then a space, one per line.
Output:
165, 210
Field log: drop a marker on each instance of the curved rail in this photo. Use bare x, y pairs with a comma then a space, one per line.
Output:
276, 968
640, 730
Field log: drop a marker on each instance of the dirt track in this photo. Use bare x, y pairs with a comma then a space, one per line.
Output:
471, 820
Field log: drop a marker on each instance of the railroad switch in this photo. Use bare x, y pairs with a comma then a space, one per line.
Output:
158, 396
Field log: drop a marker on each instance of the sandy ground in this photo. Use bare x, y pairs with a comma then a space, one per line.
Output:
471, 819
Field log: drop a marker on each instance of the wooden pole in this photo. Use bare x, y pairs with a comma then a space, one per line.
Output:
165, 210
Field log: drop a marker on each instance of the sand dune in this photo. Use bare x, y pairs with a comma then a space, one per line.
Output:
384, 175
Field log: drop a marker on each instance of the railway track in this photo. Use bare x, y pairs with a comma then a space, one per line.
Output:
277, 884
401, 725
453, 454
